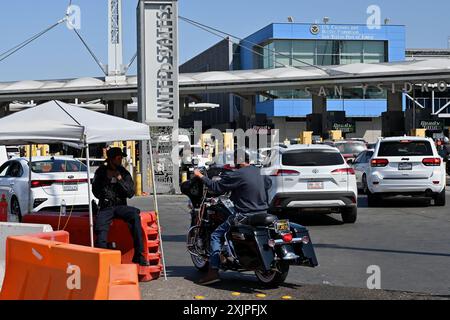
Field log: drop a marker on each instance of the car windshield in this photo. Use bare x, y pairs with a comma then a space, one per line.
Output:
405, 148
311, 158
58, 165
351, 148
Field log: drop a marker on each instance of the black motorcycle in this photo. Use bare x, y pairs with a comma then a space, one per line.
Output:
259, 242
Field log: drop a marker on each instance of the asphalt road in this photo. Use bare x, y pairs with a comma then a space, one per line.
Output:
407, 239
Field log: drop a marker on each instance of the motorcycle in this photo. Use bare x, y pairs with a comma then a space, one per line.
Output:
257, 242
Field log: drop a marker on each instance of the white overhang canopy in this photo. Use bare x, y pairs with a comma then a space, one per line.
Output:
243, 81
59, 122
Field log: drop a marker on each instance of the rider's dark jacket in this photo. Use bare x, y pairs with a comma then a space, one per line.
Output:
248, 188
111, 192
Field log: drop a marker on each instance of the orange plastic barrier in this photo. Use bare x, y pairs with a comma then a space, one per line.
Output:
59, 236
124, 242
124, 283
119, 235
38, 269
3, 209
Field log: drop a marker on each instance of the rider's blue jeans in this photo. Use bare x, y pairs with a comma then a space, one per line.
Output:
216, 244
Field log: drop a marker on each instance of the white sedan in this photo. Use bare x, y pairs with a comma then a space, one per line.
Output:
54, 181
362, 166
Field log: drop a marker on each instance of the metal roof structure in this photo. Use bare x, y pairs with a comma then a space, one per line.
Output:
239, 82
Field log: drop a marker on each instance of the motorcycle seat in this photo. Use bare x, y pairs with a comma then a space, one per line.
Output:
259, 219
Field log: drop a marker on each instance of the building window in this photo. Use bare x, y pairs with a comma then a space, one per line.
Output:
327, 53
297, 53
283, 54
303, 51
374, 52
351, 52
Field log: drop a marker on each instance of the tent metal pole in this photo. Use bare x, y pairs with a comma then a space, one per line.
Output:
91, 214
30, 208
155, 199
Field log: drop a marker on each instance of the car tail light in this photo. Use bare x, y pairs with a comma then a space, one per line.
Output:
287, 237
285, 173
47, 183
350, 171
71, 181
432, 162
41, 183
379, 162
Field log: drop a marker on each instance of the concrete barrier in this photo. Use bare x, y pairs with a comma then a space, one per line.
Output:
16, 229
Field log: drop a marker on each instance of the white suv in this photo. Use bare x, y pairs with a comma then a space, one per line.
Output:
406, 166
311, 176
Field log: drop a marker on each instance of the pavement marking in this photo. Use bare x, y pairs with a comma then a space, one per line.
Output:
261, 295
199, 298
286, 297
236, 294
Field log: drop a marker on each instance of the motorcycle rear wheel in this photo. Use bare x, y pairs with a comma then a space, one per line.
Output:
273, 279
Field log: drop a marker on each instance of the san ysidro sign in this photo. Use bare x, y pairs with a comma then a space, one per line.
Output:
158, 62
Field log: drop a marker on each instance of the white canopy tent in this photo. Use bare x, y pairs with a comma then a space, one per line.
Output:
59, 122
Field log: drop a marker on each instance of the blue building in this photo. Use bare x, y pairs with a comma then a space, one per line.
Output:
300, 45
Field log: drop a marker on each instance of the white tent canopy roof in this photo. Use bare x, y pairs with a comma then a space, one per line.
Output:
59, 122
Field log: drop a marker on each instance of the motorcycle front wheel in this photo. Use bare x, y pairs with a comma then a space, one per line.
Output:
201, 264
198, 260
273, 279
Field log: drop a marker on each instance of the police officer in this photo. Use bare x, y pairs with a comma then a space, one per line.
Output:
112, 185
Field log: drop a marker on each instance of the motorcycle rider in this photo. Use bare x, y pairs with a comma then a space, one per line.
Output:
248, 193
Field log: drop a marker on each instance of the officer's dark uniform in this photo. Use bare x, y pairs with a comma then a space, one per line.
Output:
112, 195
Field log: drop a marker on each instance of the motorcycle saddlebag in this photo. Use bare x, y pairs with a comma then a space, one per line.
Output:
250, 246
306, 251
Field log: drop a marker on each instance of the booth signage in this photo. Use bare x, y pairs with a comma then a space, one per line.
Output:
344, 127
432, 125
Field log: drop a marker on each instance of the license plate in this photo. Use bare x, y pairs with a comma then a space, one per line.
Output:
70, 187
315, 185
282, 226
404, 166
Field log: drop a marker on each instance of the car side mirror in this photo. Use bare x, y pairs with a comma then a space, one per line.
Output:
351, 161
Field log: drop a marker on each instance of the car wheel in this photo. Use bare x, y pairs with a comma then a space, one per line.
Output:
15, 210
365, 188
439, 200
349, 215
